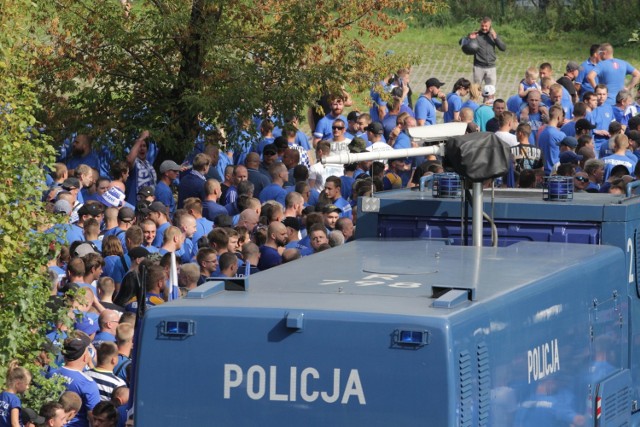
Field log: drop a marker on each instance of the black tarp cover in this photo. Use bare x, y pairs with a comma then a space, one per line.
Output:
477, 156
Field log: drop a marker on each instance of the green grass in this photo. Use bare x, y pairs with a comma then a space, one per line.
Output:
438, 54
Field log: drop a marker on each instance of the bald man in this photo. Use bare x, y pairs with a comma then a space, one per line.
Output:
271, 251
259, 179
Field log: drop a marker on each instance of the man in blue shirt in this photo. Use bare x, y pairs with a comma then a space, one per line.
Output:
333, 192
454, 99
76, 357
612, 72
586, 67
428, 103
275, 190
601, 117
192, 182
82, 154
550, 139
271, 251
323, 128
168, 173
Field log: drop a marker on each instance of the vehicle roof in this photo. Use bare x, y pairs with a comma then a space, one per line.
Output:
397, 276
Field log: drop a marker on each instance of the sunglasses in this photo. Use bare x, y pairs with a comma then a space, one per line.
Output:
337, 127
581, 178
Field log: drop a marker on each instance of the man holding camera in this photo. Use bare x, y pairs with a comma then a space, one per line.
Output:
484, 59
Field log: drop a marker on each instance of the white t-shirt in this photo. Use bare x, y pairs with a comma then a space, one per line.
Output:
507, 137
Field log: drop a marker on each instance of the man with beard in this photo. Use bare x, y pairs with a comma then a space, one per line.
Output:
323, 128
82, 154
271, 251
484, 60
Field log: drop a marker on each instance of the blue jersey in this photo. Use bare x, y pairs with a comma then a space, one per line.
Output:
454, 105
569, 128
8, 401
585, 68
165, 195
273, 192
601, 117
548, 142
269, 257
90, 159
80, 383
612, 72
347, 211
426, 110
323, 128
471, 104
482, 115
614, 160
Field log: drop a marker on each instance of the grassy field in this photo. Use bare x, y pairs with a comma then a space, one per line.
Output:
438, 55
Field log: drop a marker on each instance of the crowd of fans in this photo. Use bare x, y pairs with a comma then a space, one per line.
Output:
238, 207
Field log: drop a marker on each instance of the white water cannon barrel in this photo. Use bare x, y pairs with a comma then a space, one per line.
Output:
433, 134
345, 157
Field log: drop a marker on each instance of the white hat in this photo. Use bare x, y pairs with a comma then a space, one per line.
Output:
489, 90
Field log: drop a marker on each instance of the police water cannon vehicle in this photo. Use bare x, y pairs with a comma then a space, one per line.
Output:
539, 328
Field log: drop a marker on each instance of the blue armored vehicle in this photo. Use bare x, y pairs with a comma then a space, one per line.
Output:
530, 318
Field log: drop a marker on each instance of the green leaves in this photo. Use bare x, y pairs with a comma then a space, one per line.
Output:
24, 284
166, 63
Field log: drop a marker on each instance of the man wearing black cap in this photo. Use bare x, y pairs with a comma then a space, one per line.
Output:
433, 99
76, 358
375, 133
126, 218
584, 127
147, 193
158, 214
353, 127
568, 79
91, 209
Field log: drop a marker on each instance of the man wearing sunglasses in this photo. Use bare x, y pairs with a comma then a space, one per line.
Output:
324, 126
339, 142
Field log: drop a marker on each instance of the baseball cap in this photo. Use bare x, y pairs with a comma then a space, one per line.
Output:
74, 347
146, 191
434, 82
85, 248
488, 90
569, 157
169, 165
71, 183
93, 209
138, 252
331, 208
28, 415
375, 128
143, 207
126, 214
62, 206
270, 149
352, 116
157, 206
292, 222
397, 92
223, 220
583, 124
569, 141
572, 66
357, 145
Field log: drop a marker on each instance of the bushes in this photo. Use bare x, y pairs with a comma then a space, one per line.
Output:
609, 19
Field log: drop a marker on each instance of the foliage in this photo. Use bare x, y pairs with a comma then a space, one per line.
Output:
24, 283
608, 19
165, 64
